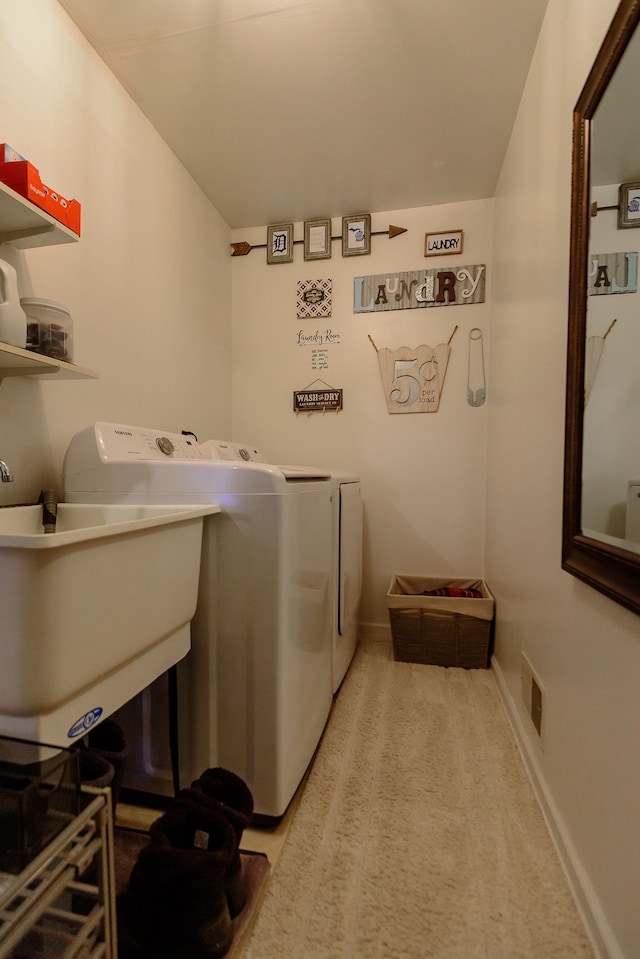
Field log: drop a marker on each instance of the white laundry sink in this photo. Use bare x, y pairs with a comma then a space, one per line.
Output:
92, 613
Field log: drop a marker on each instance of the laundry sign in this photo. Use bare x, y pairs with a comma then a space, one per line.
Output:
612, 273
442, 243
417, 290
317, 401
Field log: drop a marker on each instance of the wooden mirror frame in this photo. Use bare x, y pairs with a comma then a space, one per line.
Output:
611, 569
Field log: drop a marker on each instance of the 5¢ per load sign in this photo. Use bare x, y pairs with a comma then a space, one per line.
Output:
413, 379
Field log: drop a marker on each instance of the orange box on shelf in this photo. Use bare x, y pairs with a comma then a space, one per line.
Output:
23, 177
8, 154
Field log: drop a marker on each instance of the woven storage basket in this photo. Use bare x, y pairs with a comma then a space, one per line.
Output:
439, 630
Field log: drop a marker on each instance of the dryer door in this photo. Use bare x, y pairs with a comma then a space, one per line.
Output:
350, 556
349, 579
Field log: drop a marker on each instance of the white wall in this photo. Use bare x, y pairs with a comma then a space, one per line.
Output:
585, 648
422, 473
149, 283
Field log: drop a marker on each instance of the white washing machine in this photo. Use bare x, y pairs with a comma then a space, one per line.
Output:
259, 686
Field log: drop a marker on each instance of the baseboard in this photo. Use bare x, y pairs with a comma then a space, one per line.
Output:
377, 631
602, 938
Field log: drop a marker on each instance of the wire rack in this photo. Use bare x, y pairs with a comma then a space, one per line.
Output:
62, 905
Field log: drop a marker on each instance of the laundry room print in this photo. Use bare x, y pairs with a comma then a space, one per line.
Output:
319, 359
326, 337
313, 299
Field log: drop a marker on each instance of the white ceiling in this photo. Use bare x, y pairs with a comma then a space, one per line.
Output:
286, 110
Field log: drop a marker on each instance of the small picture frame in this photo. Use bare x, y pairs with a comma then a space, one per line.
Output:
356, 234
317, 239
443, 243
629, 205
280, 243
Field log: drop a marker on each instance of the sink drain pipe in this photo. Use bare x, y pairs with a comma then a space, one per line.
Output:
173, 727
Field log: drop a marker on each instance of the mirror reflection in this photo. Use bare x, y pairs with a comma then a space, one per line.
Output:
611, 437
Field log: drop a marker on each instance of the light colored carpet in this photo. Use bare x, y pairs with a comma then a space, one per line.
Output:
418, 834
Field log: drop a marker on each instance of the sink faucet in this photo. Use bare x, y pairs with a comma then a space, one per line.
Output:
5, 473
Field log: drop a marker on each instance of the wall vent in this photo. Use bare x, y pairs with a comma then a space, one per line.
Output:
532, 694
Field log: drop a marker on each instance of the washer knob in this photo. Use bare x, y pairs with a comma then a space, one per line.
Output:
245, 454
165, 445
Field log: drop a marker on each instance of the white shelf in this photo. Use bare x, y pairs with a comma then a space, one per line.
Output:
17, 362
26, 225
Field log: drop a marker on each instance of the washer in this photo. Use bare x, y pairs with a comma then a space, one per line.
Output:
257, 687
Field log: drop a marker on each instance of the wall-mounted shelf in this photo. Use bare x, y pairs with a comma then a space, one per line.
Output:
17, 362
26, 225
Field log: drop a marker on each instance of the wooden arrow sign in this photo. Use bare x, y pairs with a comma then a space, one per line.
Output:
241, 249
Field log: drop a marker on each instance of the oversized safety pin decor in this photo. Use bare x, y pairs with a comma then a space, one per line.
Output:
476, 383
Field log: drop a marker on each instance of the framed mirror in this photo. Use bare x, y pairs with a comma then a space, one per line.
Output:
601, 512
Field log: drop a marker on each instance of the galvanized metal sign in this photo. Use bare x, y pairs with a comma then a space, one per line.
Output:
612, 273
419, 290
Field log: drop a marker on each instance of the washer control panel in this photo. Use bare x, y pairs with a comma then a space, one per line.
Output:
128, 443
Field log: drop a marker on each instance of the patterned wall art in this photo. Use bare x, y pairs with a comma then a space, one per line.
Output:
313, 299
426, 288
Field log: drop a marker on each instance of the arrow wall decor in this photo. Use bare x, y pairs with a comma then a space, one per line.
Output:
242, 248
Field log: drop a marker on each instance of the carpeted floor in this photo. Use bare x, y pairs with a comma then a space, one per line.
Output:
418, 835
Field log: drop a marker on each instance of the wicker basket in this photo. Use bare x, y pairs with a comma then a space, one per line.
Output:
439, 630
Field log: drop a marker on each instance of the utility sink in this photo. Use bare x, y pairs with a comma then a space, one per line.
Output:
92, 613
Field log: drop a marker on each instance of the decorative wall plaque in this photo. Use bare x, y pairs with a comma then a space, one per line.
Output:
612, 273
426, 288
413, 378
314, 299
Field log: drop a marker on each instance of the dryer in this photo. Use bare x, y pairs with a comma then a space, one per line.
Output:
346, 550
258, 689
347, 572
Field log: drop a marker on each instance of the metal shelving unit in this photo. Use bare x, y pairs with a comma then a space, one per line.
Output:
62, 905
